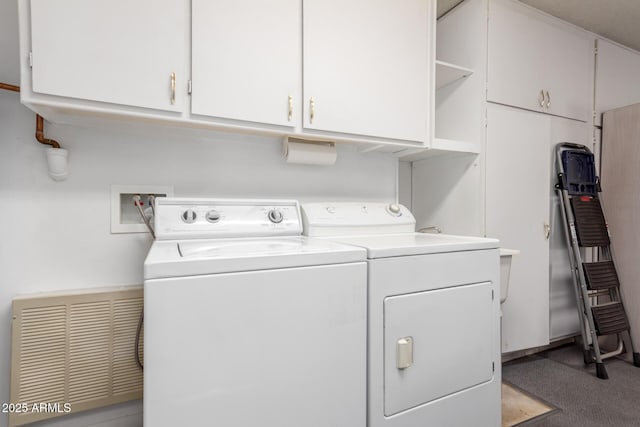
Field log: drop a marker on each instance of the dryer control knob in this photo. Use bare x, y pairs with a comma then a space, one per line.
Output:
275, 216
394, 209
189, 216
213, 216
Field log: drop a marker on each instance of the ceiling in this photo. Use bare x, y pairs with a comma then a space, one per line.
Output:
617, 20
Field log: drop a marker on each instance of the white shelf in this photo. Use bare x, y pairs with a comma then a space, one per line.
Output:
447, 73
439, 147
454, 145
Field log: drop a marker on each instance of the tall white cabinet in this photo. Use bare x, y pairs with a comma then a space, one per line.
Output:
517, 176
537, 91
520, 176
545, 66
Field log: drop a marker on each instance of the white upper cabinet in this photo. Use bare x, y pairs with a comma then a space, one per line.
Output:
116, 51
247, 60
538, 63
356, 70
617, 74
368, 67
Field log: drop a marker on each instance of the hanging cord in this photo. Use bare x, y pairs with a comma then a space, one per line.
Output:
138, 333
151, 200
136, 201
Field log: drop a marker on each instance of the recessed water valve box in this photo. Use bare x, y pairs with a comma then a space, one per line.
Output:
125, 216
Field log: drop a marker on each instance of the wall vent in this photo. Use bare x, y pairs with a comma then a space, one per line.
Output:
74, 348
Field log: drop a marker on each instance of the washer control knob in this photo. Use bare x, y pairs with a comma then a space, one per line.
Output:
212, 216
275, 216
394, 209
189, 216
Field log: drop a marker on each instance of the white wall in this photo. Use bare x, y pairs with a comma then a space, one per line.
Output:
57, 235
448, 193
405, 184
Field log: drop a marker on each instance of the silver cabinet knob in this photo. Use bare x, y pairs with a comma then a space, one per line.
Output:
548, 97
541, 98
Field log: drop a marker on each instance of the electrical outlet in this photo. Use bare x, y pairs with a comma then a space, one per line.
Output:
125, 217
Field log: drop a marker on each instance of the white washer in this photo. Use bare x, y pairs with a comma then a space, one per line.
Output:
434, 316
248, 323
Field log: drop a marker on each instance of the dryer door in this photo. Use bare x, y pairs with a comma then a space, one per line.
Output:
436, 343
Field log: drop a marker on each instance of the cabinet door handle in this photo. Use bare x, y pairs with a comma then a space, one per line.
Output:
547, 231
290, 107
312, 109
548, 99
541, 98
173, 88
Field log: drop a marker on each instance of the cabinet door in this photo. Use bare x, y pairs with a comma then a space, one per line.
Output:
368, 67
517, 211
531, 55
247, 60
617, 78
114, 51
569, 77
517, 56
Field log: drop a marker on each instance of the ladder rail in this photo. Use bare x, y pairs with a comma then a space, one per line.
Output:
574, 276
593, 271
580, 280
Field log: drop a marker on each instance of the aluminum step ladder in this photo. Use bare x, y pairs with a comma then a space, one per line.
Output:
597, 287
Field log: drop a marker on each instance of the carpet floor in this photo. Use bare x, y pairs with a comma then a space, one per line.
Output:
559, 377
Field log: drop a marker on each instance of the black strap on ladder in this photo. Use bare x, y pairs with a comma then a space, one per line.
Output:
593, 269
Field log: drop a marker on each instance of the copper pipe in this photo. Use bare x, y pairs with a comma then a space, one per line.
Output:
39, 121
40, 133
9, 87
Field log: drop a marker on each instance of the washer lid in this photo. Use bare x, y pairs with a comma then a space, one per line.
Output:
404, 244
175, 258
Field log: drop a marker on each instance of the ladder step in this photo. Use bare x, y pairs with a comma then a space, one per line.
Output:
601, 275
591, 227
610, 318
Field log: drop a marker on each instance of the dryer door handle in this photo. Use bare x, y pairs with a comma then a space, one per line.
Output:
404, 353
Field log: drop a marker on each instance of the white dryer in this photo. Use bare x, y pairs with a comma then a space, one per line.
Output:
434, 316
250, 324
